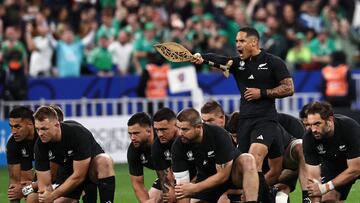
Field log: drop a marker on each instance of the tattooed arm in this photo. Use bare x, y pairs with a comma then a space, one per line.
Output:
286, 88
167, 182
221, 176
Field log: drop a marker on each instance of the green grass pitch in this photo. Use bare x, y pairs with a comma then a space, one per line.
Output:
125, 194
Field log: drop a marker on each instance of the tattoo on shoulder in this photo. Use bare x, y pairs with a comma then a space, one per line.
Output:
286, 88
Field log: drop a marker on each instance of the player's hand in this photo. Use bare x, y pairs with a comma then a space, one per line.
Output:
197, 59
169, 197
46, 196
252, 94
14, 192
313, 187
184, 190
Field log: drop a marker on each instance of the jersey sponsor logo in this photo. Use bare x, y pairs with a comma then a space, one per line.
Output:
51, 156
167, 155
262, 66
251, 77
211, 154
260, 137
143, 159
342, 148
190, 155
24, 153
320, 149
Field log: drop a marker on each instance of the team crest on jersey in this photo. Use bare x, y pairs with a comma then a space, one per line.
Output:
321, 150
242, 64
211, 154
143, 159
24, 153
167, 155
342, 148
51, 156
262, 66
190, 155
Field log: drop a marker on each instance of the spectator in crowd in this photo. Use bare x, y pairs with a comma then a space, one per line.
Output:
106, 27
273, 40
15, 65
321, 48
121, 50
39, 44
299, 56
143, 47
347, 40
100, 58
309, 16
69, 52
338, 88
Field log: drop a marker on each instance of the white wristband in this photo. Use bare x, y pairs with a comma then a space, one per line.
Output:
324, 188
27, 190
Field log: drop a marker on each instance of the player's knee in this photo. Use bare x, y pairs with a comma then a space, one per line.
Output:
247, 162
298, 151
104, 165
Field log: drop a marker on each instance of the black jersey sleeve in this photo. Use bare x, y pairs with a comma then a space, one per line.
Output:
41, 153
82, 141
351, 136
13, 153
280, 70
179, 162
135, 166
224, 147
309, 147
157, 153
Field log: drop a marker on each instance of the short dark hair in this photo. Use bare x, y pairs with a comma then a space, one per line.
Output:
232, 124
45, 112
303, 111
22, 112
212, 106
59, 112
189, 115
323, 108
141, 118
250, 32
164, 114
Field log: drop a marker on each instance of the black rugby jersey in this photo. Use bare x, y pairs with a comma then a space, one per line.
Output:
333, 152
292, 125
77, 143
138, 158
263, 71
21, 152
215, 148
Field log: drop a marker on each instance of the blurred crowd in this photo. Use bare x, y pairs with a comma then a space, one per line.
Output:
65, 38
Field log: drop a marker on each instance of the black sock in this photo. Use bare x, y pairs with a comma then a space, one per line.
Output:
90, 190
234, 198
264, 195
305, 196
251, 202
107, 189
